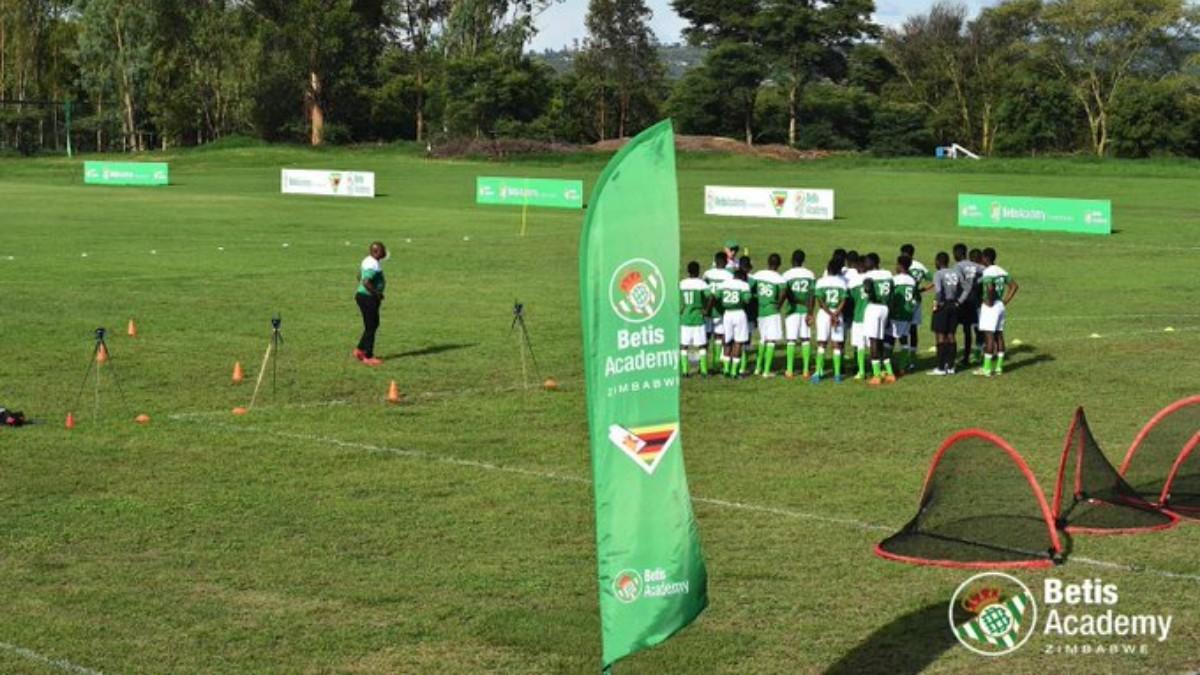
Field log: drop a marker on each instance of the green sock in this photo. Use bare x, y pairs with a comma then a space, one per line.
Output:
727, 366
987, 363
743, 362
862, 361
887, 367
806, 354
769, 359
875, 367
758, 353
821, 361
683, 362
791, 358
999, 362
837, 363
703, 363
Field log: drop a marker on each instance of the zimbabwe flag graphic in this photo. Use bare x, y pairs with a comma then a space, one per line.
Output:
644, 445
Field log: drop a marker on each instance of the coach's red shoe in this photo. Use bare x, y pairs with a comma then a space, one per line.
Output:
874, 381
372, 361
359, 354
890, 379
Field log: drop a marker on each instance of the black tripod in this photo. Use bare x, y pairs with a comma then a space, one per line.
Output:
524, 345
272, 356
100, 357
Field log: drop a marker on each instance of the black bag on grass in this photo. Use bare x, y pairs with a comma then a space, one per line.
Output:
11, 418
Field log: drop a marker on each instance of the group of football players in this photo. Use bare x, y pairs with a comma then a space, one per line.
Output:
859, 301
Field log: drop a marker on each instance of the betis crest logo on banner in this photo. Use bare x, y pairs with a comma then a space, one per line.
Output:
646, 446
636, 291
993, 614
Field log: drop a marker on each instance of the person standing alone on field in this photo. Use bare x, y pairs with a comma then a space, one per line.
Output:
369, 297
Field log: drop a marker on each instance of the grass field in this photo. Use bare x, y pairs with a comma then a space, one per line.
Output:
328, 532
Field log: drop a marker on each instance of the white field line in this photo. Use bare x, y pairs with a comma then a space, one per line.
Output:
724, 503
58, 664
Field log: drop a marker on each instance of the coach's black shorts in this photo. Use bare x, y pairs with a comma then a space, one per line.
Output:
848, 312
945, 319
968, 314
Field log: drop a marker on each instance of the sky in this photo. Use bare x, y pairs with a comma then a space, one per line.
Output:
563, 22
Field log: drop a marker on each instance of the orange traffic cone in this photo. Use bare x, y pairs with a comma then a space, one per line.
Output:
70, 421
102, 354
393, 393
238, 375
132, 329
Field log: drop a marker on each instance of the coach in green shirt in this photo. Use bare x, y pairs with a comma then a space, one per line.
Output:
369, 296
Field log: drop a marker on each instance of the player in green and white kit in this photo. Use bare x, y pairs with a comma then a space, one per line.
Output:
769, 293
734, 297
855, 275
904, 300
798, 308
830, 297
924, 280
693, 301
714, 277
877, 284
996, 291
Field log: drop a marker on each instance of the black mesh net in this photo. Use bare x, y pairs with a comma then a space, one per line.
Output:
978, 509
1151, 458
1184, 491
1092, 497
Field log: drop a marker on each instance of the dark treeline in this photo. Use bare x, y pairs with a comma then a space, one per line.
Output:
1104, 77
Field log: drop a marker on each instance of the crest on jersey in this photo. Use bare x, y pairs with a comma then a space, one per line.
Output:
646, 445
636, 290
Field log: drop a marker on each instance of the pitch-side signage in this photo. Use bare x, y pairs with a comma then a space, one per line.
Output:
125, 173
1036, 213
328, 183
763, 202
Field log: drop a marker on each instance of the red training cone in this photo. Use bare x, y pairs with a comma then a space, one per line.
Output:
393, 393
132, 330
70, 421
238, 375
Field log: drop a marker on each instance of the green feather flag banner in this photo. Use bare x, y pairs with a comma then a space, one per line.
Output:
652, 577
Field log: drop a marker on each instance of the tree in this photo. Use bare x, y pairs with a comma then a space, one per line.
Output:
415, 24
804, 39
1096, 46
620, 55
115, 55
313, 43
734, 62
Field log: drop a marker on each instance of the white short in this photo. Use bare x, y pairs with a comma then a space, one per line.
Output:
737, 328
693, 336
823, 328
795, 327
991, 319
900, 329
858, 335
714, 326
875, 321
916, 320
770, 328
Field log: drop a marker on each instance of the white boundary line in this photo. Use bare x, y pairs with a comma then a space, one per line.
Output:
564, 478
59, 664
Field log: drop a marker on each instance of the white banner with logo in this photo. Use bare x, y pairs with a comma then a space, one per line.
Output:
762, 202
328, 183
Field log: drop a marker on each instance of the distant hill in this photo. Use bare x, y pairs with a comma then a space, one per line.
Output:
678, 58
